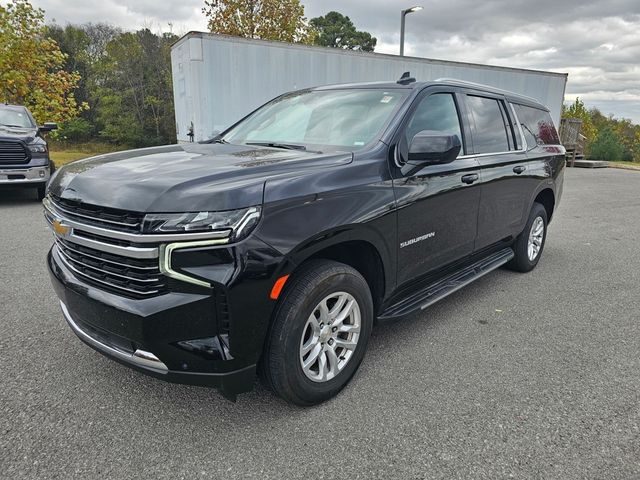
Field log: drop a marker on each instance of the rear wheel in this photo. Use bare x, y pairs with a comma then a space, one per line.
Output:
319, 334
530, 243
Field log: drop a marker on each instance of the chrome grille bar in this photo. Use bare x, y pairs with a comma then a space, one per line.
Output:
108, 284
73, 248
106, 252
133, 252
81, 264
135, 238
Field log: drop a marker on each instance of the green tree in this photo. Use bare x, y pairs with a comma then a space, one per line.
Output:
626, 134
579, 111
606, 146
32, 69
74, 43
133, 85
338, 31
85, 46
281, 20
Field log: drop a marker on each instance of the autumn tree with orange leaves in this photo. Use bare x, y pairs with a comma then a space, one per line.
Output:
281, 20
32, 66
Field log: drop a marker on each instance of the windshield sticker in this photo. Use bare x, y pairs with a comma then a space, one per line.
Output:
386, 99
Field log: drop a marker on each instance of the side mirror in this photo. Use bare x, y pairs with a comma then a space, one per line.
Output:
48, 126
430, 146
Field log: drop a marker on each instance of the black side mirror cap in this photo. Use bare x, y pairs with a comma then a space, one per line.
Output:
430, 146
48, 126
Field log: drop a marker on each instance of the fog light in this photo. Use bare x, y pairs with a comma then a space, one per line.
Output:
211, 348
41, 173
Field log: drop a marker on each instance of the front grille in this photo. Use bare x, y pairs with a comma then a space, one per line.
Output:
110, 218
13, 153
137, 278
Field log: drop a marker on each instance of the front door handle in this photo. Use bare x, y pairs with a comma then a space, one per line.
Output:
470, 178
519, 169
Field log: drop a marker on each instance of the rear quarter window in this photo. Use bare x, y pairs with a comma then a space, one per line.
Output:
537, 126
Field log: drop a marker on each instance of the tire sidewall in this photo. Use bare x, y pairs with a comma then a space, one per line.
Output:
523, 244
296, 315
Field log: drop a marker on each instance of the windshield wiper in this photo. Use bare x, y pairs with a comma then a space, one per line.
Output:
11, 126
286, 146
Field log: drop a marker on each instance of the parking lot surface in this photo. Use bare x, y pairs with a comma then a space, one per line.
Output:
518, 375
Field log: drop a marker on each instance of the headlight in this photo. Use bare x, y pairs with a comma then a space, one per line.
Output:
38, 148
238, 222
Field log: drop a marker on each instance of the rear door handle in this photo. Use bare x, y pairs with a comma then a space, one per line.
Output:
519, 169
470, 178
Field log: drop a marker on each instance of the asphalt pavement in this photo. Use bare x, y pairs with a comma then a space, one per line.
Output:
516, 376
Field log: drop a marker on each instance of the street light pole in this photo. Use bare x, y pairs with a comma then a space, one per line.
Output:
403, 14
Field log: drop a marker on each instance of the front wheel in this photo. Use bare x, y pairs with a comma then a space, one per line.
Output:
530, 243
319, 334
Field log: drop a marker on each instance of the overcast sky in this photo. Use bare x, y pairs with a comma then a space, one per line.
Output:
596, 42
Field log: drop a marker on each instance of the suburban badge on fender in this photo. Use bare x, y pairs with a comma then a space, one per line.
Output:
426, 236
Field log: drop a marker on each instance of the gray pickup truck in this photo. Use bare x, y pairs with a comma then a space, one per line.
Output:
24, 156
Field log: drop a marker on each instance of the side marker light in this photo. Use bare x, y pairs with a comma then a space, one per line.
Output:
277, 287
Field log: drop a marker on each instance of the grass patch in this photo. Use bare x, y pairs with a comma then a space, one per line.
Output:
625, 165
61, 158
61, 154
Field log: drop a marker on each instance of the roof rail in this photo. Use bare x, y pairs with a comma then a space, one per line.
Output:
481, 86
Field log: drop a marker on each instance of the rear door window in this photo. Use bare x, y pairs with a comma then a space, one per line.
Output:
490, 132
537, 126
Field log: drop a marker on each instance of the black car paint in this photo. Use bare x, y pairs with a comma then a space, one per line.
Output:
311, 203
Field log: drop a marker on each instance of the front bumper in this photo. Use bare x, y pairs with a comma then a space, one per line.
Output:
29, 175
146, 334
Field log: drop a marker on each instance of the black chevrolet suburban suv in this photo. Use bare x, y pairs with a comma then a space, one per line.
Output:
273, 248
24, 156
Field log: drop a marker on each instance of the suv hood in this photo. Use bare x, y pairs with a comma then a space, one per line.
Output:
183, 178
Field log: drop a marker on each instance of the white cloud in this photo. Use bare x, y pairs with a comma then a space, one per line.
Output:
597, 43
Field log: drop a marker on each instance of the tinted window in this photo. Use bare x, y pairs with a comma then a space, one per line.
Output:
436, 112
537, 126
490, 134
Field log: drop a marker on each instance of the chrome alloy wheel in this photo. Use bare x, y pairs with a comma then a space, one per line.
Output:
330, 337
536, 235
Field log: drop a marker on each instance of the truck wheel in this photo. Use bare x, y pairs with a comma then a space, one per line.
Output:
530, 243
41, 191
319, 334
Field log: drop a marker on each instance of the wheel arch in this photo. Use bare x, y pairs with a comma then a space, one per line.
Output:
361, 249
547, 198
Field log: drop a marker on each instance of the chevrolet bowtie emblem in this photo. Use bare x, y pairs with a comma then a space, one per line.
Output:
60, 228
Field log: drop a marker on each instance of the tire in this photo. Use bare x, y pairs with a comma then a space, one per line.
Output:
295, 336
41, 191
523, 261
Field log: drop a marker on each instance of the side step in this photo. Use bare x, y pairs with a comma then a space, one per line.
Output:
447, 285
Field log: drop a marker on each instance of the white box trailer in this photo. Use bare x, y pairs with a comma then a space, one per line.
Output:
218, 79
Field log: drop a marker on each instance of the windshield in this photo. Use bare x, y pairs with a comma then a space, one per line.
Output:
15, 117
320, 119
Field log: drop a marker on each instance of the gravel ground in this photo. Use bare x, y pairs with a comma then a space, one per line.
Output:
518, 375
